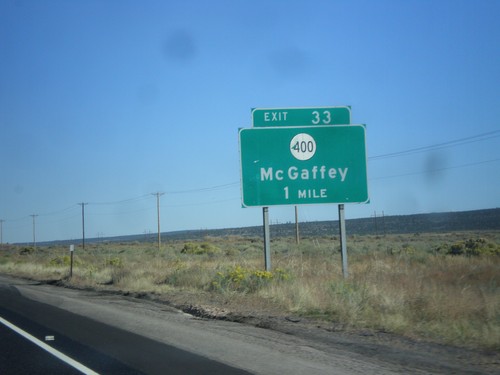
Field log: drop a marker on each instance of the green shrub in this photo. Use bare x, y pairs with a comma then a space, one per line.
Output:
470, 247
200, 249
232, 252
115, 262
64, 260
27, 250
244, 280
408, 249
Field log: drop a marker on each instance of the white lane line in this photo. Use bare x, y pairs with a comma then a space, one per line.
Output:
49, 349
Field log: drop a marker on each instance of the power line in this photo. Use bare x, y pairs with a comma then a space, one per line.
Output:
64, 219
202, 203
210, 188
52, 213
436, 169
120, 212
127, 200
438, 146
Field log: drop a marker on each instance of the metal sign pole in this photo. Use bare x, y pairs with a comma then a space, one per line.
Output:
297, 237
267, 241
343, 241
71, 250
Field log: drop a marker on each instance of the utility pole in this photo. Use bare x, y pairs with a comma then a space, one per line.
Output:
83, 223
34, 237
1, 231
158, 195
297, 237
383, 222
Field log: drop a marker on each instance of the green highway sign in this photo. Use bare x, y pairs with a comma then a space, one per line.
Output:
303, 165
315, 116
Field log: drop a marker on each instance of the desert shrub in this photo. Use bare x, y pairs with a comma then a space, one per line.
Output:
193, 278
350, 299
245, 280
232, 252
470, 247
200, 249
118, 274
27, 250
63, 260
408, 249
114, 261
175, 269
442, 249
281, 275
90, 270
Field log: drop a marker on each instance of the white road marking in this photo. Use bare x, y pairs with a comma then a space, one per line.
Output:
49, 349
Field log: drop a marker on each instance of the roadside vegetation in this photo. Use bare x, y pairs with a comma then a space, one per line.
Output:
442, 287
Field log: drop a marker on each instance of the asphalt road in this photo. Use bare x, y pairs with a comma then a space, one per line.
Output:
19, 356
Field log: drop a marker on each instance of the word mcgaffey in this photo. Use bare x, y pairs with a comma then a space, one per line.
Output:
294, 173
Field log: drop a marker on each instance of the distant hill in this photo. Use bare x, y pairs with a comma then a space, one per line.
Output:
418, 223
396, 224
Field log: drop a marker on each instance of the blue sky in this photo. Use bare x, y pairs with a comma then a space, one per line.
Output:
106, 102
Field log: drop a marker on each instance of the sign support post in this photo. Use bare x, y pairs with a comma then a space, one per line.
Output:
71, 250
297, 237
343, 241
267, 240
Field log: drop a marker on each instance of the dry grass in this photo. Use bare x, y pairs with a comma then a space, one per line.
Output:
399, 284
